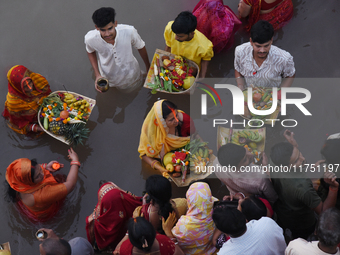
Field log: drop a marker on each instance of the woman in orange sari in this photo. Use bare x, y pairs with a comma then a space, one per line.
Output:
26, 91
34, 188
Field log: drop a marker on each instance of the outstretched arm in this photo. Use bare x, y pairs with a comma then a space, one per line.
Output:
154, 163
72, 176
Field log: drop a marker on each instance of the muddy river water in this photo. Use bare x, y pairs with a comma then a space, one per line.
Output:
48, 37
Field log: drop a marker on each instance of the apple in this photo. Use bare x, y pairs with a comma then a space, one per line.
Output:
178, 168
170, 168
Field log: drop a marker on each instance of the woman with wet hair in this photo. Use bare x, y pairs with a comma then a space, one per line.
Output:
165, 128
157, 202
143, 239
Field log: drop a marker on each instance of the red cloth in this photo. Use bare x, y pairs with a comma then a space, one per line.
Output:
21, 109
217, 22
114, 208
267, 204
277, 17
265, 6
188, 126
166, 246
144, 211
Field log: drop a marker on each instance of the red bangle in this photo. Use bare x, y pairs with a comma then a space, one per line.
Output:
44, 165
75, 163
333, 189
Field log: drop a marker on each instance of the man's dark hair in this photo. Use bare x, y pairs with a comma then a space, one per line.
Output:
331, 151
56, 246
280, 153
185, 23
253, 208
229, 220
231, 154
104, 16
141, 232
328, 229
262, 32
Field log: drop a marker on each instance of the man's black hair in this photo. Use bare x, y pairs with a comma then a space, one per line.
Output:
253, 208
229, 220
331, 151
104, 16
231, 154
185, 23
262, 32
280, 153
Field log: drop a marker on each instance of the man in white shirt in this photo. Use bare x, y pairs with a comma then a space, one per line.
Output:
261, 64
261, 236
328, 232
109, 48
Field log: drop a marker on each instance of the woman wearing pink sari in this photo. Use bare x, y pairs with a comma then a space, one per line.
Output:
217, 22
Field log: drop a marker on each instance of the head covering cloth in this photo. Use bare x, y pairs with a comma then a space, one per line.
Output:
155, 134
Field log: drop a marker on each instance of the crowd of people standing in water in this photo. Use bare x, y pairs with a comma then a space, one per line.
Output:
262, 213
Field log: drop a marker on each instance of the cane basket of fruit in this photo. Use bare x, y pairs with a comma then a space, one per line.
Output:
262, 100
251, 139
172, 74
189, 163
63, 115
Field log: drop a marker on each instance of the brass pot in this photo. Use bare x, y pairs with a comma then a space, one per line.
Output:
103, 84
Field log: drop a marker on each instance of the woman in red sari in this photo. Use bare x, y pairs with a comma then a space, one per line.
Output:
143, 239
26, 91
217, 22
276, 12
106, 226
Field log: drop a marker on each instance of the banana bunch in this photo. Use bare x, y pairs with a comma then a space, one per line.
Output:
71, 101
69, 98
80, 105
253, 136
202, 153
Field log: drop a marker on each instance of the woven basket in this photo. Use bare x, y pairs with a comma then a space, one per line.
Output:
151, 77
61, 138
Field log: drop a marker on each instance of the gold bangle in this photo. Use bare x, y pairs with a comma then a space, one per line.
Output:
153, 163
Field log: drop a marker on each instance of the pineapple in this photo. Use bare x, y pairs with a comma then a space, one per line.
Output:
75, 133
57, 127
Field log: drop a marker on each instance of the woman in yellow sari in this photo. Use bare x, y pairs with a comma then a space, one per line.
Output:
165, 128
26, 91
